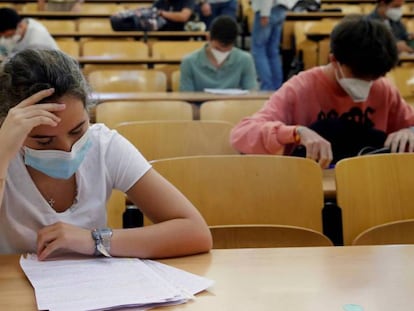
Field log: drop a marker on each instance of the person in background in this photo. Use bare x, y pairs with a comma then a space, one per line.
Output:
219, 64
208, 10
57, 172
17, 34
59, 5
265, 42
176, 12
390, 13
334, 111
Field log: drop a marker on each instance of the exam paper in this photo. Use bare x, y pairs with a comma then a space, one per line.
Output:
105, 283
226, 91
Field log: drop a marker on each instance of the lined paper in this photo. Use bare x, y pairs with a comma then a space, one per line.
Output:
108, 283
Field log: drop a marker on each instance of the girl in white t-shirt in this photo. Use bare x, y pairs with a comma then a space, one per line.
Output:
57, 172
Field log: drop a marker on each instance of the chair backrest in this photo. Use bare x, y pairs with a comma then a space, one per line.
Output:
396, 232
165, 139
260, 236
174, 49
59, 26
104, 8
112, 80
175, 81
95, 25
115, 208
250, 189
114, 113
117, 49
373, 190
403, 78
229, 110
68, 46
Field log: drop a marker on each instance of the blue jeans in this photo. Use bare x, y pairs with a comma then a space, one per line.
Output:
228, 8
266, 49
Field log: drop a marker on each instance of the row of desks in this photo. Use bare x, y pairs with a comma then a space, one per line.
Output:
289, 15
351, 278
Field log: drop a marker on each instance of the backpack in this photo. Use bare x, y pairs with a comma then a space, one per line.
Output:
141, 19
306, 6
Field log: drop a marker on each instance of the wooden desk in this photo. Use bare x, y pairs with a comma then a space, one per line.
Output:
84, 60
131, 34
198, 97
378, 278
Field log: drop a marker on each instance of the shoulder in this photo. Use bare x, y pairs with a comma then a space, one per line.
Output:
101, 136
242, 57
194, 58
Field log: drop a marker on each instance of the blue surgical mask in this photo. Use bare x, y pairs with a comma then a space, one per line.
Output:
56, 163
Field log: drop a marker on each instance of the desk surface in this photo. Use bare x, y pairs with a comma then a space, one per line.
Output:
378, 278
185, 96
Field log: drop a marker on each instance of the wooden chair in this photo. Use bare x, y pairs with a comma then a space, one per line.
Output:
403, 78
29, 8
260, 236
345, 8
173, 50
59, 26
249, 189
396, 232
373, 190
165, 139
109, 8
229, 110
68, 46
124, 80
175, 81
116, 49
95, 25
114, 209
114, 113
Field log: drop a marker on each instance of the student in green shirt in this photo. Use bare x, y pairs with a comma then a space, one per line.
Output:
219, 64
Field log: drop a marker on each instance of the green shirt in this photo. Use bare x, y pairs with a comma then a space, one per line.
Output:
198, 73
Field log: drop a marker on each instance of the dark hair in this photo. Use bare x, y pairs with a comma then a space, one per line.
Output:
367, 46
224, 30
384, 1
8, 19
32, 70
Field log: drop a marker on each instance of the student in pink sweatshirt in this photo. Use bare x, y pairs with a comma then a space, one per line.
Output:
334, 111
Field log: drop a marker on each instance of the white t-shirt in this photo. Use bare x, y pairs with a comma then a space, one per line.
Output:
36, 36
111, 162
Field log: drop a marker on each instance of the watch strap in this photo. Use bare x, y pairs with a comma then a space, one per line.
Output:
102, 238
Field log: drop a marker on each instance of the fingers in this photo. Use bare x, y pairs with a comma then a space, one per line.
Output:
317, 148
35, 98
61, 237
401, 141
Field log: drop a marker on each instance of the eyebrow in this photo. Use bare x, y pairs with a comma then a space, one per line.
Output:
50, 136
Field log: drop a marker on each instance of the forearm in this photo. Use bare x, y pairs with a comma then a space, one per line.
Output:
180, 17
261, 137
171, 238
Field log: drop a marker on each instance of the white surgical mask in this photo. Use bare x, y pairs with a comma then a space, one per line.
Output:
56, 163
394, 14
8, 44
357, 89
219, 55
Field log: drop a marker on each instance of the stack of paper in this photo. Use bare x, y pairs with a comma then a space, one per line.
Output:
226, 91
108, 283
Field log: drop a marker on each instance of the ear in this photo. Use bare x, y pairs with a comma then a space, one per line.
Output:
332, 58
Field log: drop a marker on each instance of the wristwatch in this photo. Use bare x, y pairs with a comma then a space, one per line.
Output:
102, 238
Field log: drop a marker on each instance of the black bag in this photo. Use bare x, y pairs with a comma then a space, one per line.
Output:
141, 19
307, 6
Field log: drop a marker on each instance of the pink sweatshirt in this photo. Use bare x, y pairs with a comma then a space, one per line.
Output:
307, 97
